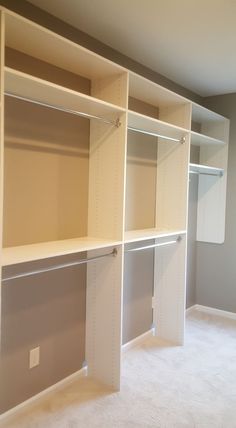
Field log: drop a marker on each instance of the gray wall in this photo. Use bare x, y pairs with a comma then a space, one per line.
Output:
52, 313
47, 310
216, 264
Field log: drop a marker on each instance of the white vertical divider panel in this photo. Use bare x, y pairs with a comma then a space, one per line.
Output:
106, 219
178, 115
103, 318
170, 291
107, 165
212, 190
2, 60
113, 89
106, 180
172, 185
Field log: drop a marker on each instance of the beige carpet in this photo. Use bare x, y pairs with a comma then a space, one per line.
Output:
162, 386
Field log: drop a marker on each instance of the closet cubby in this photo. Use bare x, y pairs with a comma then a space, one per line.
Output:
156, 190
208, 159
152, 100
107, 81
50, 191
207, 126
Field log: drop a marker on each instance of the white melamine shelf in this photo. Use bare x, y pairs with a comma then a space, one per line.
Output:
45, 250
201, 139
202, 114
152, 93
145, 234
36, 41
149, 124
204, 169
39, 90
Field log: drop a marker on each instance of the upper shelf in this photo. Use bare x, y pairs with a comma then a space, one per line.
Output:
152, 93
38, 90
45, 250
39, 42
145, 234
147, 97
148, 124
209, 124
198, 139
205, 170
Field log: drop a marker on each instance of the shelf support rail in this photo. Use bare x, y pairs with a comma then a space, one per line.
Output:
160, 244
60, 266
115, 123
155, 134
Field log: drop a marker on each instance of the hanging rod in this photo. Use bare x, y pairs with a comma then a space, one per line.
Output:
115, 123
61, 266
216, 174
155, 134
161, 244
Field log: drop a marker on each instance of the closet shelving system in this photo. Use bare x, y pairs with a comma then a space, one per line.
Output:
95, 163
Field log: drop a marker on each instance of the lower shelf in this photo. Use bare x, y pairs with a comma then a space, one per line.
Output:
44, 250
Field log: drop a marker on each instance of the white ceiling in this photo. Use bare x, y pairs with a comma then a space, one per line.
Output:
192, 42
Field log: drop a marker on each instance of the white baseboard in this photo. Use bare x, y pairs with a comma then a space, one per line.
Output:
190, 309
56, 387
214, 311
137, 341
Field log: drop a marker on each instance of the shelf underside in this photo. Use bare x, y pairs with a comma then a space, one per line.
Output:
145, 234
38, 90
44, 250
148, 124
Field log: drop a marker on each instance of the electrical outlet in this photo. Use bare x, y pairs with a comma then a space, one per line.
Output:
34, 355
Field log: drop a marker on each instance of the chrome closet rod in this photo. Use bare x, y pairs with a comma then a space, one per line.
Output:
61, 266
147, 247
115, 123
216, 174
155, 134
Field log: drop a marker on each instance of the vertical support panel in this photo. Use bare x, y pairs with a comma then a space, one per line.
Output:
179, 114
169, 291
172, 185
113, 89
104, 318
107, 163
107, 180
107, 169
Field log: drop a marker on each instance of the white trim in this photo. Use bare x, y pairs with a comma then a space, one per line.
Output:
214, 311
57, 386
190, 309
138, 340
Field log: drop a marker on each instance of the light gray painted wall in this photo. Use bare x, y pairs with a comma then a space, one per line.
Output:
138, 291
216, 264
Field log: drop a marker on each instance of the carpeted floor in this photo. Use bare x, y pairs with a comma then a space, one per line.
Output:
162, 386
